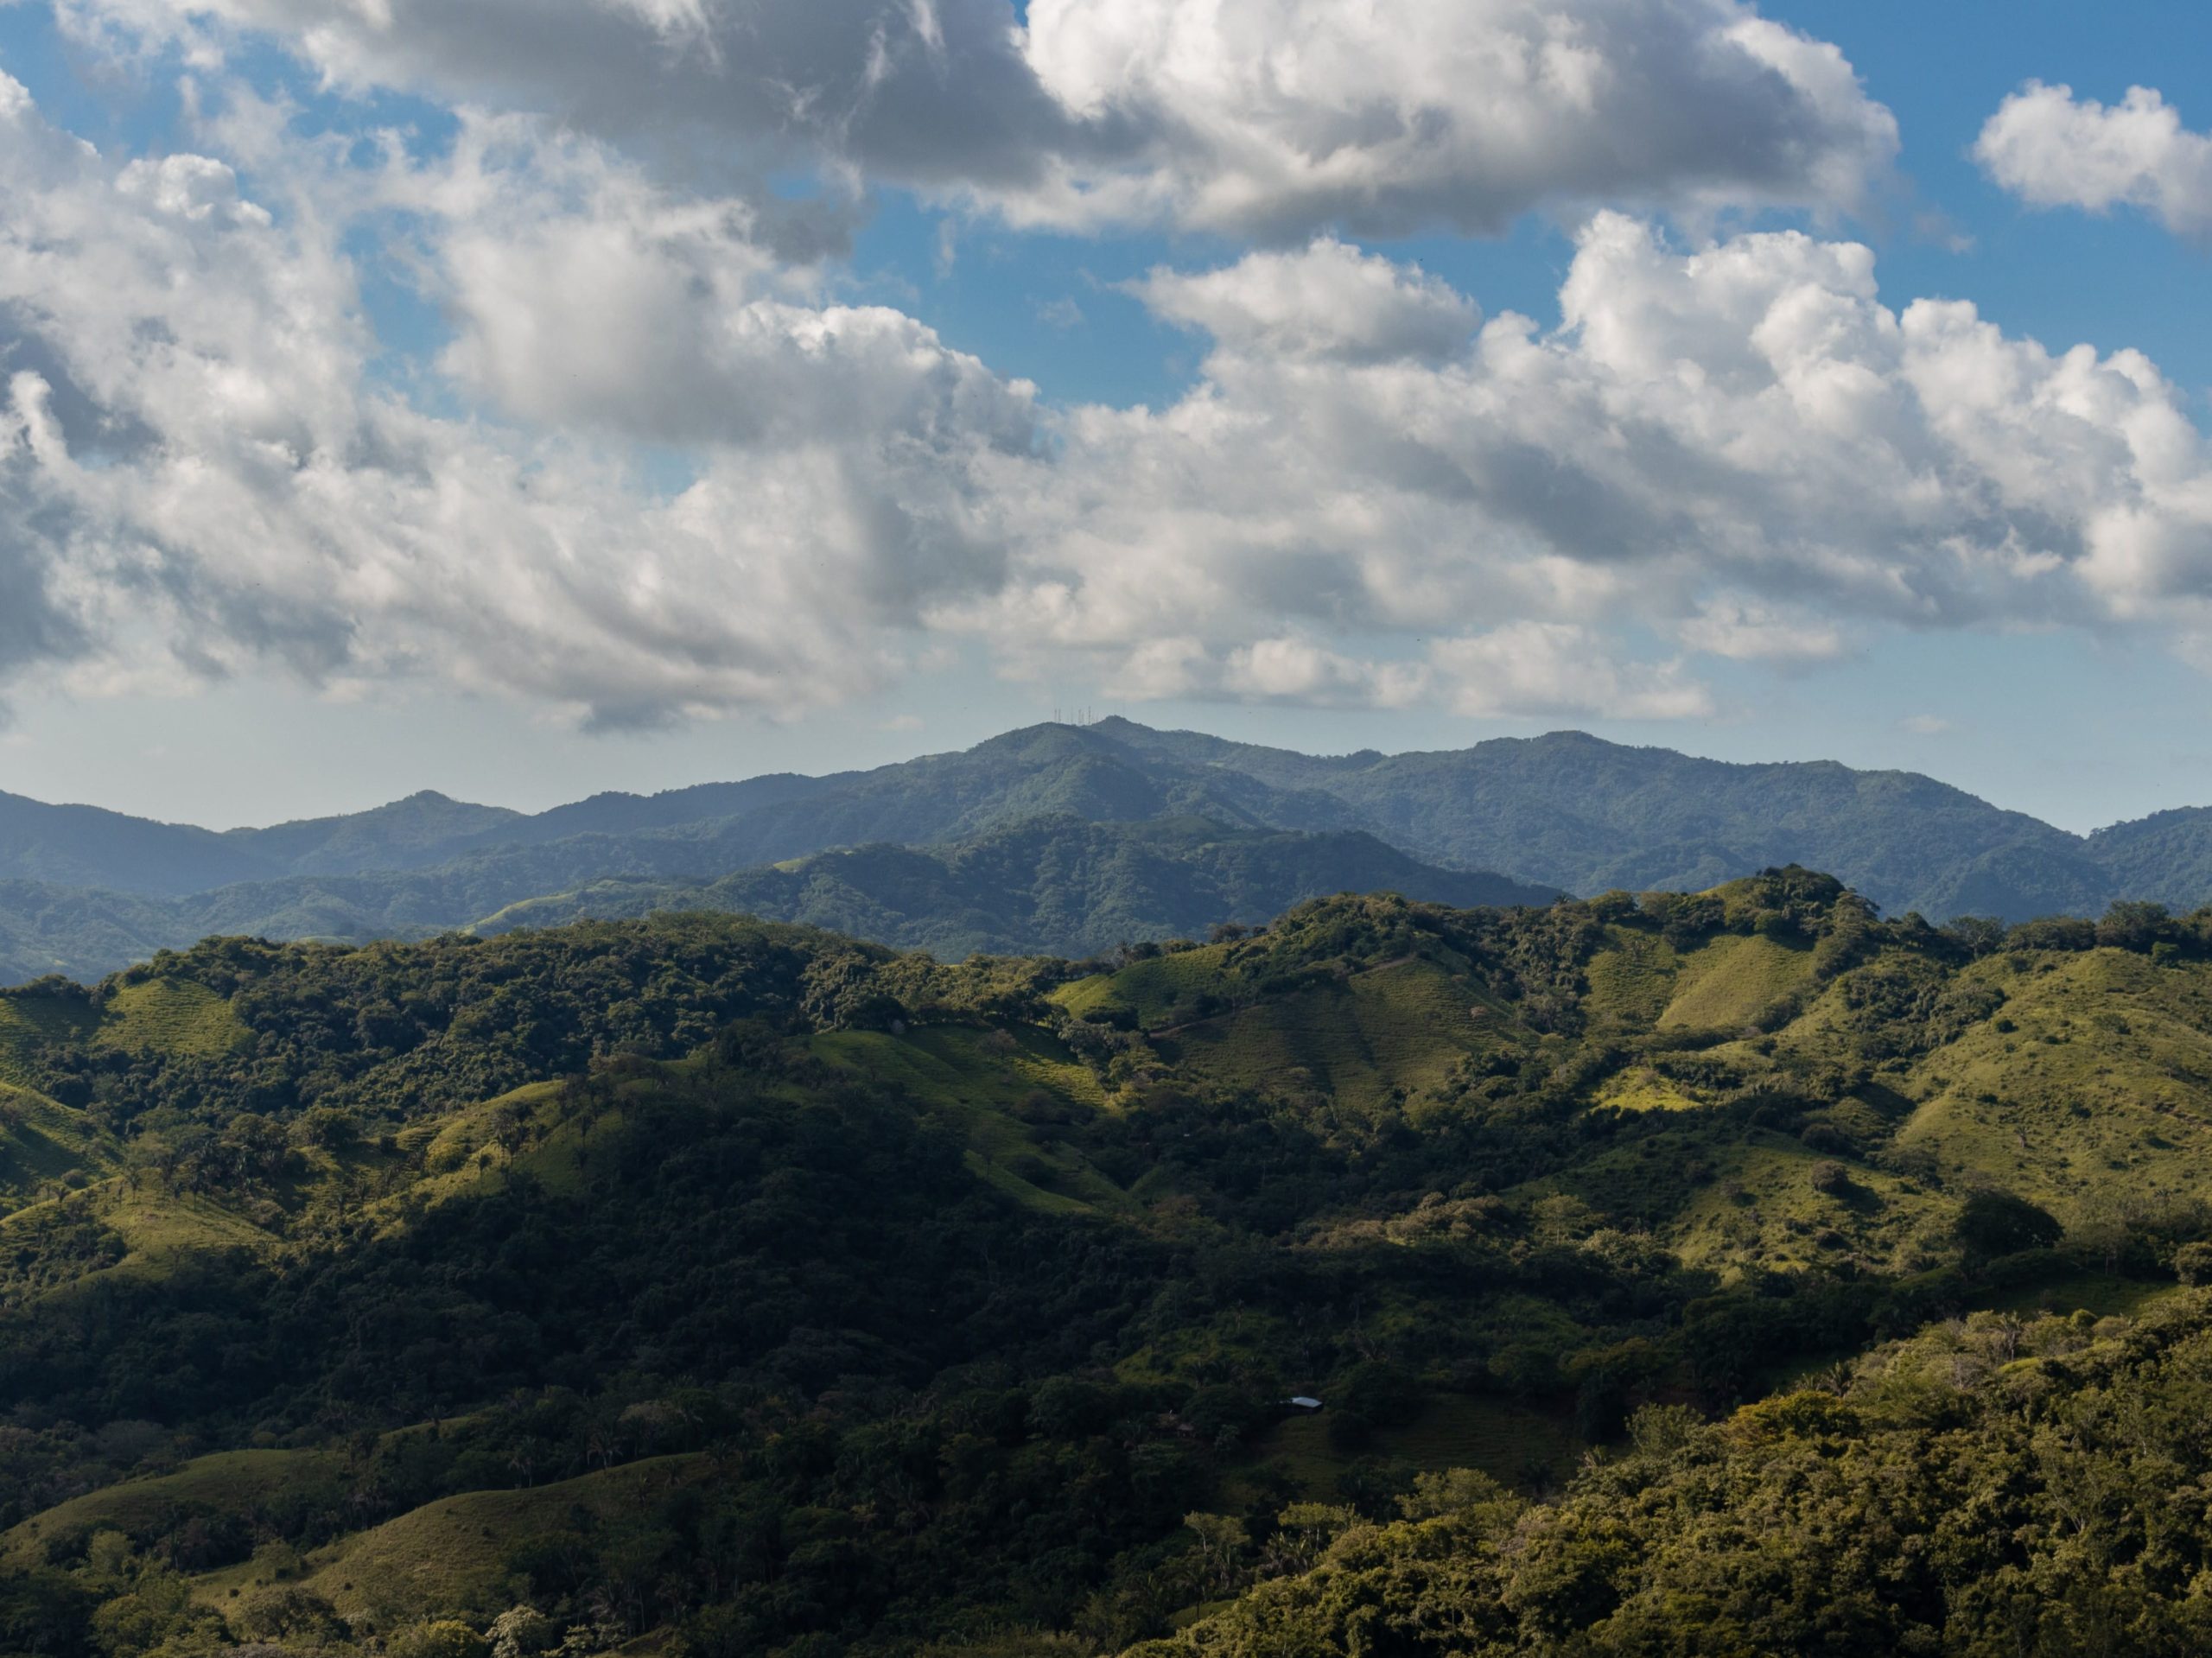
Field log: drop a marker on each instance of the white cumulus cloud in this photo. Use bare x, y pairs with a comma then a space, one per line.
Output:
1328, 301
1555, 668
2055, 150
1372, 494
204, 474
1739, 447
1272, 117
1269, 116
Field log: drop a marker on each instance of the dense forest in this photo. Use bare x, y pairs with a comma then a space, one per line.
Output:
1730, 1273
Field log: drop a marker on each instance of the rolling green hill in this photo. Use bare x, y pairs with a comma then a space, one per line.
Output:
727, 1284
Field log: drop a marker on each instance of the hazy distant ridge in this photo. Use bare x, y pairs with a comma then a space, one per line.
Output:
94, 889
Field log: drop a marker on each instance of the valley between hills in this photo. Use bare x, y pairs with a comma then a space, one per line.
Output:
1728, 1271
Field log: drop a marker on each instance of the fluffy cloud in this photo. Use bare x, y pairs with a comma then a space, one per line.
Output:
1520, 669
1554, 668
1266, 117
1739, 447
585, 297
204, 473
1755, 632
1329, 301
2055, 150
1372, 495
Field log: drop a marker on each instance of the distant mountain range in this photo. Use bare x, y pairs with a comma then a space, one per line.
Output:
1055, 885
1066, 839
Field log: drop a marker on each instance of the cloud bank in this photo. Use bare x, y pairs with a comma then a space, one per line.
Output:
658, 467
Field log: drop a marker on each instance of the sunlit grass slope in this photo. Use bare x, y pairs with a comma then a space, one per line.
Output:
450, 1556
169, 1015
229, 1481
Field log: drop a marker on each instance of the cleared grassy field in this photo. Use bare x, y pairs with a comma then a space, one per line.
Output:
167, 1015
26, 1021
1147, 990
1399, 1030
1631, 980
1724, 983
1005, 1091
2087, 1092
1763, 1209
42, 1142
2105, 1294
158, 1227
170, 1015
452, 1553
238, 1482
1640, 1087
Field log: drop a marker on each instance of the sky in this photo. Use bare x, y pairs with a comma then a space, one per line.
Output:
521, 399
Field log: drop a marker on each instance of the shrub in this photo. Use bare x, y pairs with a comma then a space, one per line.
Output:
1995, 1222
294, 1616
2193, 1263
1830, 1176
446, 1638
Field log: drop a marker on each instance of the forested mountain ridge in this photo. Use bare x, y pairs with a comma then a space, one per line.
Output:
1053, 885
1574, 811
2162, 857
88, 846
740, 1289
1565, 810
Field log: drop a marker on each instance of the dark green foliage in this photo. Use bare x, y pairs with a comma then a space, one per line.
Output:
391, 1032
2165, 858
2004, 1487
735, 1285
1998, 1223
47, 1614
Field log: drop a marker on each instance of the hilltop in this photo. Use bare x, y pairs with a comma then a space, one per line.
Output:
725, 1281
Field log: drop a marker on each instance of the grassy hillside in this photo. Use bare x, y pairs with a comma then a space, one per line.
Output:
729, 1283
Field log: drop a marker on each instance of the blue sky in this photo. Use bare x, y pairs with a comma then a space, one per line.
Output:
527, 544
